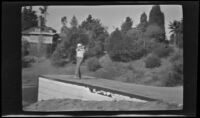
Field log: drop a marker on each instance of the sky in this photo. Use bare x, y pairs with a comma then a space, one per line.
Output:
111, 16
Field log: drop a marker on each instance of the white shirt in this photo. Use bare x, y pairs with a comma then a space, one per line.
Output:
80, 52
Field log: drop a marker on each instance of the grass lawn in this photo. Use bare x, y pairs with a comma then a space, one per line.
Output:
30, 74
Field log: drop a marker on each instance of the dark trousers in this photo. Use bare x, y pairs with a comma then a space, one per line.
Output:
79, 60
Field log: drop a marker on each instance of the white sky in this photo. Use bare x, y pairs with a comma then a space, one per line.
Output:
110, 15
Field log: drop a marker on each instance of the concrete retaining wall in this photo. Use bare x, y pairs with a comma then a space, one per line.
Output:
52, 89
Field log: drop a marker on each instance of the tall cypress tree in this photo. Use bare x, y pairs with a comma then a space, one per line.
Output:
143, 22
156, 16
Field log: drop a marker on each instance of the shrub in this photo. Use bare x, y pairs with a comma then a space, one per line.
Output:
174, 79
96, 50
174, 76
176, 56
49, 51
110, 69
138, 54
25, 48
178, 66
163, 51
105, 60
152, 61
124, 48
155, 31
27, 60
59, 56
93, 64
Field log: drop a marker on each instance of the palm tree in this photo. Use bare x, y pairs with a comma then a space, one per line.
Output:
176, 28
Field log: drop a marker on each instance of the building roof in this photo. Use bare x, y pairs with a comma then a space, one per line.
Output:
35, 30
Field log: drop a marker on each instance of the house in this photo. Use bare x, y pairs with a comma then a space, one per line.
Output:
33, 35
41, 42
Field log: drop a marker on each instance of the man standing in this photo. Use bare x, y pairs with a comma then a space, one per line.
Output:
80, 50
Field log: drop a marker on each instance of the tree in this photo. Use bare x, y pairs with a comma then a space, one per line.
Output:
86, 24
97, 34
64, 20
29, 18
74, 22
176, 28
69, 39
121, 47
127, 25
153, 31
64, 28
172, 39
143, 22
44, 13
114, 44
156, 16
133, 34
142, 26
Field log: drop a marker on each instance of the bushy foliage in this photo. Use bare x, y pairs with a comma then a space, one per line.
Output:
29, 18
59, 56
156, 32
127, 25
150, 44
180, 41
96, 50
163, 51
175, 76
27, 60
105, 61
93, 64
49, 51
97, 34
114, 45
110, 71
178, 67
172, 76
66, 50
138, 50
133, 34
152, 61
177, 56
25, 48
124, 48
90, 33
